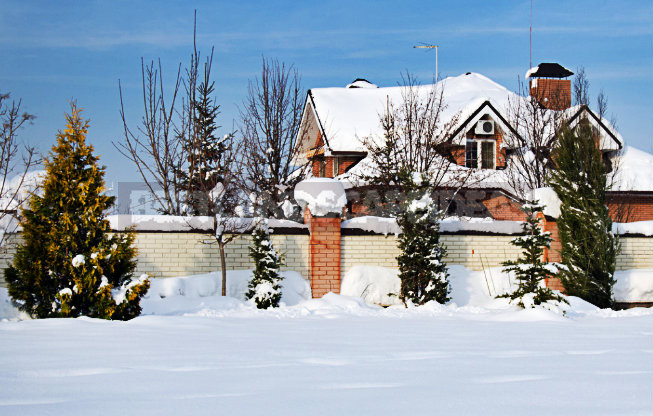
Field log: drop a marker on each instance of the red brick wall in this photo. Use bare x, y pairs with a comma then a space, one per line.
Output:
502, 208
316, 166
345, 162
552, 254
552, 93
328, 166
328, 171
324, 254
318, 141
458, 154
630, 208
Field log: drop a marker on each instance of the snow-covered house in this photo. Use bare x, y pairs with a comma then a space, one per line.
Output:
337, 121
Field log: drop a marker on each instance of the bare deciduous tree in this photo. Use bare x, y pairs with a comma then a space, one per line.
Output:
531, 142
270, 119
188, 168
417, 140
225, 198
15, 162
155, 147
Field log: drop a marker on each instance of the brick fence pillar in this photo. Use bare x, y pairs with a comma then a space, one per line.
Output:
552, 254
323, 200
324, 246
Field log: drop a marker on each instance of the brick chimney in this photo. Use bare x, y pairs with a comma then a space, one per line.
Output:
548, 87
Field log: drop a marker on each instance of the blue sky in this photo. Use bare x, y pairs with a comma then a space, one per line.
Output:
54, 51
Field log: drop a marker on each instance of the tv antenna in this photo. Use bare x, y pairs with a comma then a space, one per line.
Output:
436, 56
530, 40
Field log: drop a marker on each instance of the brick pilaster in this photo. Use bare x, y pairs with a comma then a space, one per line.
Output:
552, 254
324, 253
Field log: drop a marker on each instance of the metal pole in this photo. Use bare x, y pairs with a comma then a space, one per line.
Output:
436, 64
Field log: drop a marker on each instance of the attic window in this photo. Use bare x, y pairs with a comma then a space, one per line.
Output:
480, 154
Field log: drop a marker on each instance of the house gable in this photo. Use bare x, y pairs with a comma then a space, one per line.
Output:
310, 137
608, 138
470, 148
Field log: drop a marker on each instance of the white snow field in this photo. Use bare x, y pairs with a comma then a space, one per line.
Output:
196, 353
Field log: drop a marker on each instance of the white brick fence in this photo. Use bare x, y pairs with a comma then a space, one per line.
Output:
167, 254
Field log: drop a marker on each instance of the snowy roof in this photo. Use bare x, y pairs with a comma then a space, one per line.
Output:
346, 116
634, 171
610, 139
18, 189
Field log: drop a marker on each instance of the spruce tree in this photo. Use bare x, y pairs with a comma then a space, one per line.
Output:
264, 288
589, 248
529, 269
423, 273
69, 264
205, 151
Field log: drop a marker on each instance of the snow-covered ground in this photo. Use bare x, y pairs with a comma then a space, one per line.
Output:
196, 353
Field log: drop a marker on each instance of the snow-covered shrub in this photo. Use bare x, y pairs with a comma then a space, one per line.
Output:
529, 269
264, 288
69, 264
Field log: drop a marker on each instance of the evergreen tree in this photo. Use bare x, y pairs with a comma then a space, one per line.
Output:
529, 268
264, 288
423, 273
589, 248
69, 264
205, 149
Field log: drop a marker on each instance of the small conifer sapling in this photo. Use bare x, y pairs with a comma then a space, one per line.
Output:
422, 270
265, 286
529, 269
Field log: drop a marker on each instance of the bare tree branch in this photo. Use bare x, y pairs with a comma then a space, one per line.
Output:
15, 162
270, 120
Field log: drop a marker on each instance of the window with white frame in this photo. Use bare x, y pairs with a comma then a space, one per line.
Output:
480, 154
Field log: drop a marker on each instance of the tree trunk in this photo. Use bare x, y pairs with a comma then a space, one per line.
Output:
223, 264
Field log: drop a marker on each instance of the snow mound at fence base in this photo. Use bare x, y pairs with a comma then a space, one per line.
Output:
363, 289
380, 285
193, 294
634, 285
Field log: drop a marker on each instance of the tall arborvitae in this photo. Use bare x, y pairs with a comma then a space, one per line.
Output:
589, 248
529, 269
423, 273
68, 263
264, 288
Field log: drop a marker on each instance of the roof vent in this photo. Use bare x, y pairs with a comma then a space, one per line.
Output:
361, 83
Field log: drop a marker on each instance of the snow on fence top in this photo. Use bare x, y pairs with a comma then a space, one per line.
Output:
380, 225
637, 227
634, 170
171, 223
322, 196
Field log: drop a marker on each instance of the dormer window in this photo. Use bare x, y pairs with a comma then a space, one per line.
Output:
480, 154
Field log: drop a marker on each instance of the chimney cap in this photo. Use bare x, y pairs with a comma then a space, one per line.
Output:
549, 70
